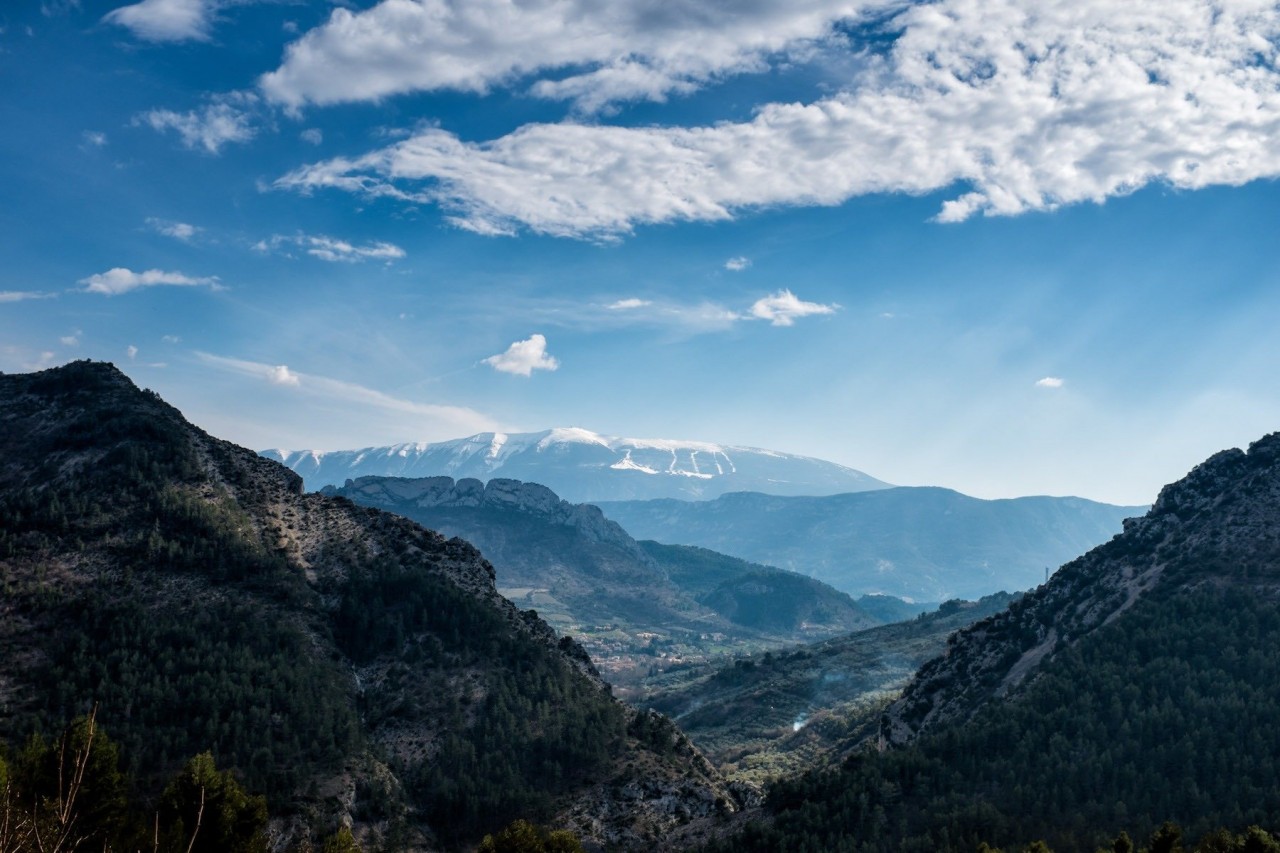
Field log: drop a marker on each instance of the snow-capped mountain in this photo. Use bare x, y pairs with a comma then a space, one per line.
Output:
582, 466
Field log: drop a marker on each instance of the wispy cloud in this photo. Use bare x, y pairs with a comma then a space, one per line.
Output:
455, 418
312, 136
94, 138
737, 264
24, 295
783, 308
120, 280
524, 357
628, 304
71, 340
166, 20
226, 119
1050, 382
1011, 105
615, 51
177, 230
332, 249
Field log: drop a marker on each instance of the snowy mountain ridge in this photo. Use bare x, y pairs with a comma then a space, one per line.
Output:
586, 466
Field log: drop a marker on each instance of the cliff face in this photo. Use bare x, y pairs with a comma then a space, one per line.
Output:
1219, 527
359, 668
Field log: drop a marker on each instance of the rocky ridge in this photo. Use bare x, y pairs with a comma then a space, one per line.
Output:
1219, 527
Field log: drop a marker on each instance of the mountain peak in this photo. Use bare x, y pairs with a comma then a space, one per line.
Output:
585, 466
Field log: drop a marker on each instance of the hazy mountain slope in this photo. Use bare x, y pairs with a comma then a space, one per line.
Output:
348, 662
587, 577
926, 544
582, 466
1140, 684
789, 711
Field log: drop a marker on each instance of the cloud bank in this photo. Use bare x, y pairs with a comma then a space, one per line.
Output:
641, 49
1011, 105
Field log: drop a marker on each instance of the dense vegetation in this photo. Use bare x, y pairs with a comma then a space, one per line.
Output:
784, 712
1171, 711
536, 729
141, 574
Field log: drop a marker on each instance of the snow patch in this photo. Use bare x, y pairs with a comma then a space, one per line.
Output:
626, 464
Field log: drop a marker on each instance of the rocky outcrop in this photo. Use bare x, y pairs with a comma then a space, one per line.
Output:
498, 493
1219, 525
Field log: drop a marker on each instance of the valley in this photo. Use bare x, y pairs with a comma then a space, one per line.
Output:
372, 680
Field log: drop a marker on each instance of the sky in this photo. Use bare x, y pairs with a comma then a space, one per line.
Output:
1009, 247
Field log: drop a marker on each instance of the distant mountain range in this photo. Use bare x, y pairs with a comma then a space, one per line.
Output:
581, 466
927, 544
626, 601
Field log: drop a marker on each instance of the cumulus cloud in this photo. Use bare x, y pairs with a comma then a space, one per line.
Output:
177, 230
282, 375
212, 126
166, 20
737, 264
71, 340
120, 280
131, 351
458, 419
1049, 382
783, 308
524, 357
332, 249
1012, 105
612, 51
312, 135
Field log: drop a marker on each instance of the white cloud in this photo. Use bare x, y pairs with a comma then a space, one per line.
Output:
455, 419
171, 339
94, 138
120, 280
177, 230
282, 375
313, 135
71, 340
628, 304
737, 264
614, 51
210, 127
1013, 105
783, 308
166, 20
1049, 382
23, 295
524, 357
332, 249
131, 351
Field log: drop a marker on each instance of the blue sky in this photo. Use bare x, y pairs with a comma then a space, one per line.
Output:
1009, 247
